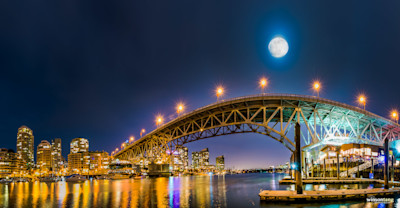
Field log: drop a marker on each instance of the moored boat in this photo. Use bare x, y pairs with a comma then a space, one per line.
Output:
75, 178
6, 180
119, 176
103, 177
49, 179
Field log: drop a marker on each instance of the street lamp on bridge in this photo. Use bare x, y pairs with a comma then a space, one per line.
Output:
219, 92
395, 115
317, 87
180, 108
131, 139
142, 132
362, 100
263, 84
159, 120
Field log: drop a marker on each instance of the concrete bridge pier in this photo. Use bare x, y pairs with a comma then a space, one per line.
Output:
299, 182
337, 163
386, 170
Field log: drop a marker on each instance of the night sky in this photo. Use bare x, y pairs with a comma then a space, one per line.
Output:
103, 70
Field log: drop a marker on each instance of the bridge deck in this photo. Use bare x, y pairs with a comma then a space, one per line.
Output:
325, 195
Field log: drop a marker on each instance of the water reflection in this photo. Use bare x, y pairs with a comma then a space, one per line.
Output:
187, 191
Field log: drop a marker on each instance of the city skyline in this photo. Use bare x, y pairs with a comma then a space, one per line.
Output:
107, 87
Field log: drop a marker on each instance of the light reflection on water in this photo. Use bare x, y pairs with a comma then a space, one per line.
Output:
188, 191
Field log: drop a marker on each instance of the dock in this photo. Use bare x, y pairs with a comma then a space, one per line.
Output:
340, 181
325, 195
331, 181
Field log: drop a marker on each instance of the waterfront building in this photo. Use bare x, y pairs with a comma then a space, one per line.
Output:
353, 152
89, 163
362, 151
25, 149
123, 166
56, 150
44, 156
220, 163
9, 163
200, 160
79, 145
181, 158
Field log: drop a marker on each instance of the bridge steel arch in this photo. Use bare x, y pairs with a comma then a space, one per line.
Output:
323, 122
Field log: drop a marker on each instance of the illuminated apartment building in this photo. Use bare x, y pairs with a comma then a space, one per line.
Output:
220, 163
181, 158
57, 160
8, 163
86, 162
79, 145
25, 148
200, 160
43, 157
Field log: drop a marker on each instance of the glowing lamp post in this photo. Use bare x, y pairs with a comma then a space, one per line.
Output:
142, 132
131, 139
219, 92
362, 100
395, 116
122, 145
179, 108
317, 87
263, 84
159, 120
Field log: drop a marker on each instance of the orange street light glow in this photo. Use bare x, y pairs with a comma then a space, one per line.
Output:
317, 87
132, 138
395, 115
159, 120
362, 100
219, 92
263, 83
180, 107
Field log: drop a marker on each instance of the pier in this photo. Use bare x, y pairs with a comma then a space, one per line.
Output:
325, 195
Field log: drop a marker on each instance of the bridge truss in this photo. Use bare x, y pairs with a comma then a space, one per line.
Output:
323, 122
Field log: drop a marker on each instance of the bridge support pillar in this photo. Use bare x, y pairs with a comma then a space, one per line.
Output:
337, 163
347, 167
299, 182
386, 170
392, 167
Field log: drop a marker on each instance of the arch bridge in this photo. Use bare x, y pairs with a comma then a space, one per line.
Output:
323, 122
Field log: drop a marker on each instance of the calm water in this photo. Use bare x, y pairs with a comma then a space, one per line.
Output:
189, 191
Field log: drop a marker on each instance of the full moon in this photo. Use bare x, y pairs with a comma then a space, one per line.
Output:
278, 47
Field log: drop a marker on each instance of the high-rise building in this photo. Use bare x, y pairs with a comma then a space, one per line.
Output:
44, 156
25, 150
195, 160
79, 145
9, 163
180, 157
91, 162
220, 162
205, 155
57, 161
200, 160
